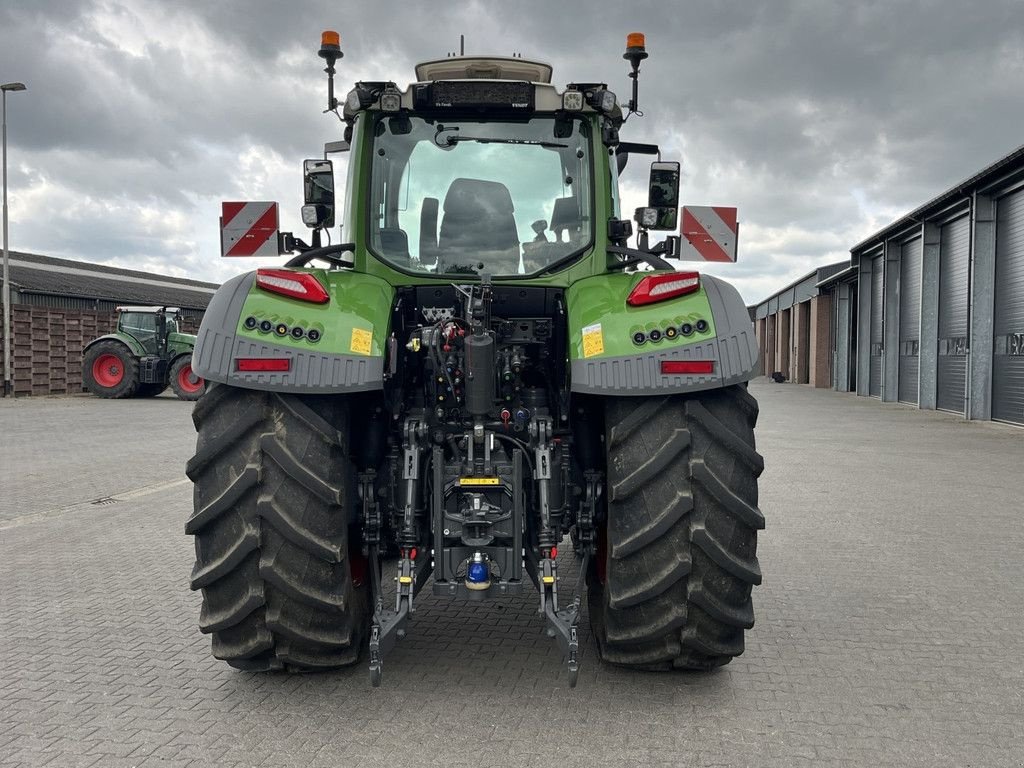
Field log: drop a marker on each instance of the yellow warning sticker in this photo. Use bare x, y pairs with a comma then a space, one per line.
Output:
361, 341
593, 340
479, 481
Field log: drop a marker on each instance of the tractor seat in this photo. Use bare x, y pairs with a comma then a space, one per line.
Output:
479, 227
566, 223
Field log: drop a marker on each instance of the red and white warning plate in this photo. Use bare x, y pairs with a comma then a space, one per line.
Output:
249, 229
709, 233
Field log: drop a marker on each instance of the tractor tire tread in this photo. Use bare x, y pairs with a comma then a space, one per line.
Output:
272, 531
679, 573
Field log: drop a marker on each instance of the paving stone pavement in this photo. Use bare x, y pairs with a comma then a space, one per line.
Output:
889, 627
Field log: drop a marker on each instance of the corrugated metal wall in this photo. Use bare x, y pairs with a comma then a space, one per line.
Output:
875, 365
954, 269
1008, 357
910, 319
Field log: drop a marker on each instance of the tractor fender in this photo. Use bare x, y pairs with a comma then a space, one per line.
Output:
180, 344
617, 349
332, 347
133, 346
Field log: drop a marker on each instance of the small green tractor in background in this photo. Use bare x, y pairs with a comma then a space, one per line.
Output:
481, 369
145, 355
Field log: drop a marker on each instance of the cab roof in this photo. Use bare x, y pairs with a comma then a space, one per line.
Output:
148, 309
483, 68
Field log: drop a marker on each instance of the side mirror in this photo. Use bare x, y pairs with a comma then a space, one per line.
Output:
663, 195
318, 187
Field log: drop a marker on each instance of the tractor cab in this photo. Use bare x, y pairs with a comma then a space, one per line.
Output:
149, 326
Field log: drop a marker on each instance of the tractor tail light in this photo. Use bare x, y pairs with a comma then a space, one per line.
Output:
654, 288
296, 285
687, 367
264, 364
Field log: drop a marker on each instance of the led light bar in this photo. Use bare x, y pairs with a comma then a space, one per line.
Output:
660, 287
295, 285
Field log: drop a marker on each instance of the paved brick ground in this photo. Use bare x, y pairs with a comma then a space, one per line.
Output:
889, 625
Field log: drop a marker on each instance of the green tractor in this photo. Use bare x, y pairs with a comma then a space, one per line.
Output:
145, 355
483, 370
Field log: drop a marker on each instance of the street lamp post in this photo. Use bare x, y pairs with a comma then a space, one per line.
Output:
8, 385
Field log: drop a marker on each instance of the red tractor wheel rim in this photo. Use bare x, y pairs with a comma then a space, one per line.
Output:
188, 381
107, 370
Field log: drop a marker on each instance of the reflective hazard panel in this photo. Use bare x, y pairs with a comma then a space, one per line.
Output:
249, 229
709, 233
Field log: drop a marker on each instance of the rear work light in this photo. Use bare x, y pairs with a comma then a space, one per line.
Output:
660, 287
687, 366
295, 285
272, 364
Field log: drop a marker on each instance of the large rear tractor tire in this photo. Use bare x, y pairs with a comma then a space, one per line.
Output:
186, 384
110, 370
274, 525
671, 583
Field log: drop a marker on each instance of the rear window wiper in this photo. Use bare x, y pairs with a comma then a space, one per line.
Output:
451, 141
560, 263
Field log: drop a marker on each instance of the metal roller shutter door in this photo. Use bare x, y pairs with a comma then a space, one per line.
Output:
954, 270
910, 319
1008, 357
875, 366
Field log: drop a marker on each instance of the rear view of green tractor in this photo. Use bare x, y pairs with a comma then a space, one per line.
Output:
143, 357
480, 370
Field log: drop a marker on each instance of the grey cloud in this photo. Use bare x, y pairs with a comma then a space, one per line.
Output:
818, 120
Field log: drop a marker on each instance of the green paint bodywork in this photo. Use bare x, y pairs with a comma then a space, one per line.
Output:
598, 304
358, 302
178, 344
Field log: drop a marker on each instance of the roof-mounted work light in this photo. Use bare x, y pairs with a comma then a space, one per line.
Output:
572, 101
603, 101
390, 99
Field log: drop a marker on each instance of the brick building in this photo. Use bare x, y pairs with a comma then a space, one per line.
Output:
794, 329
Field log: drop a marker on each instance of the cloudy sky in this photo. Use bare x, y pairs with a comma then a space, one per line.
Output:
821, 121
